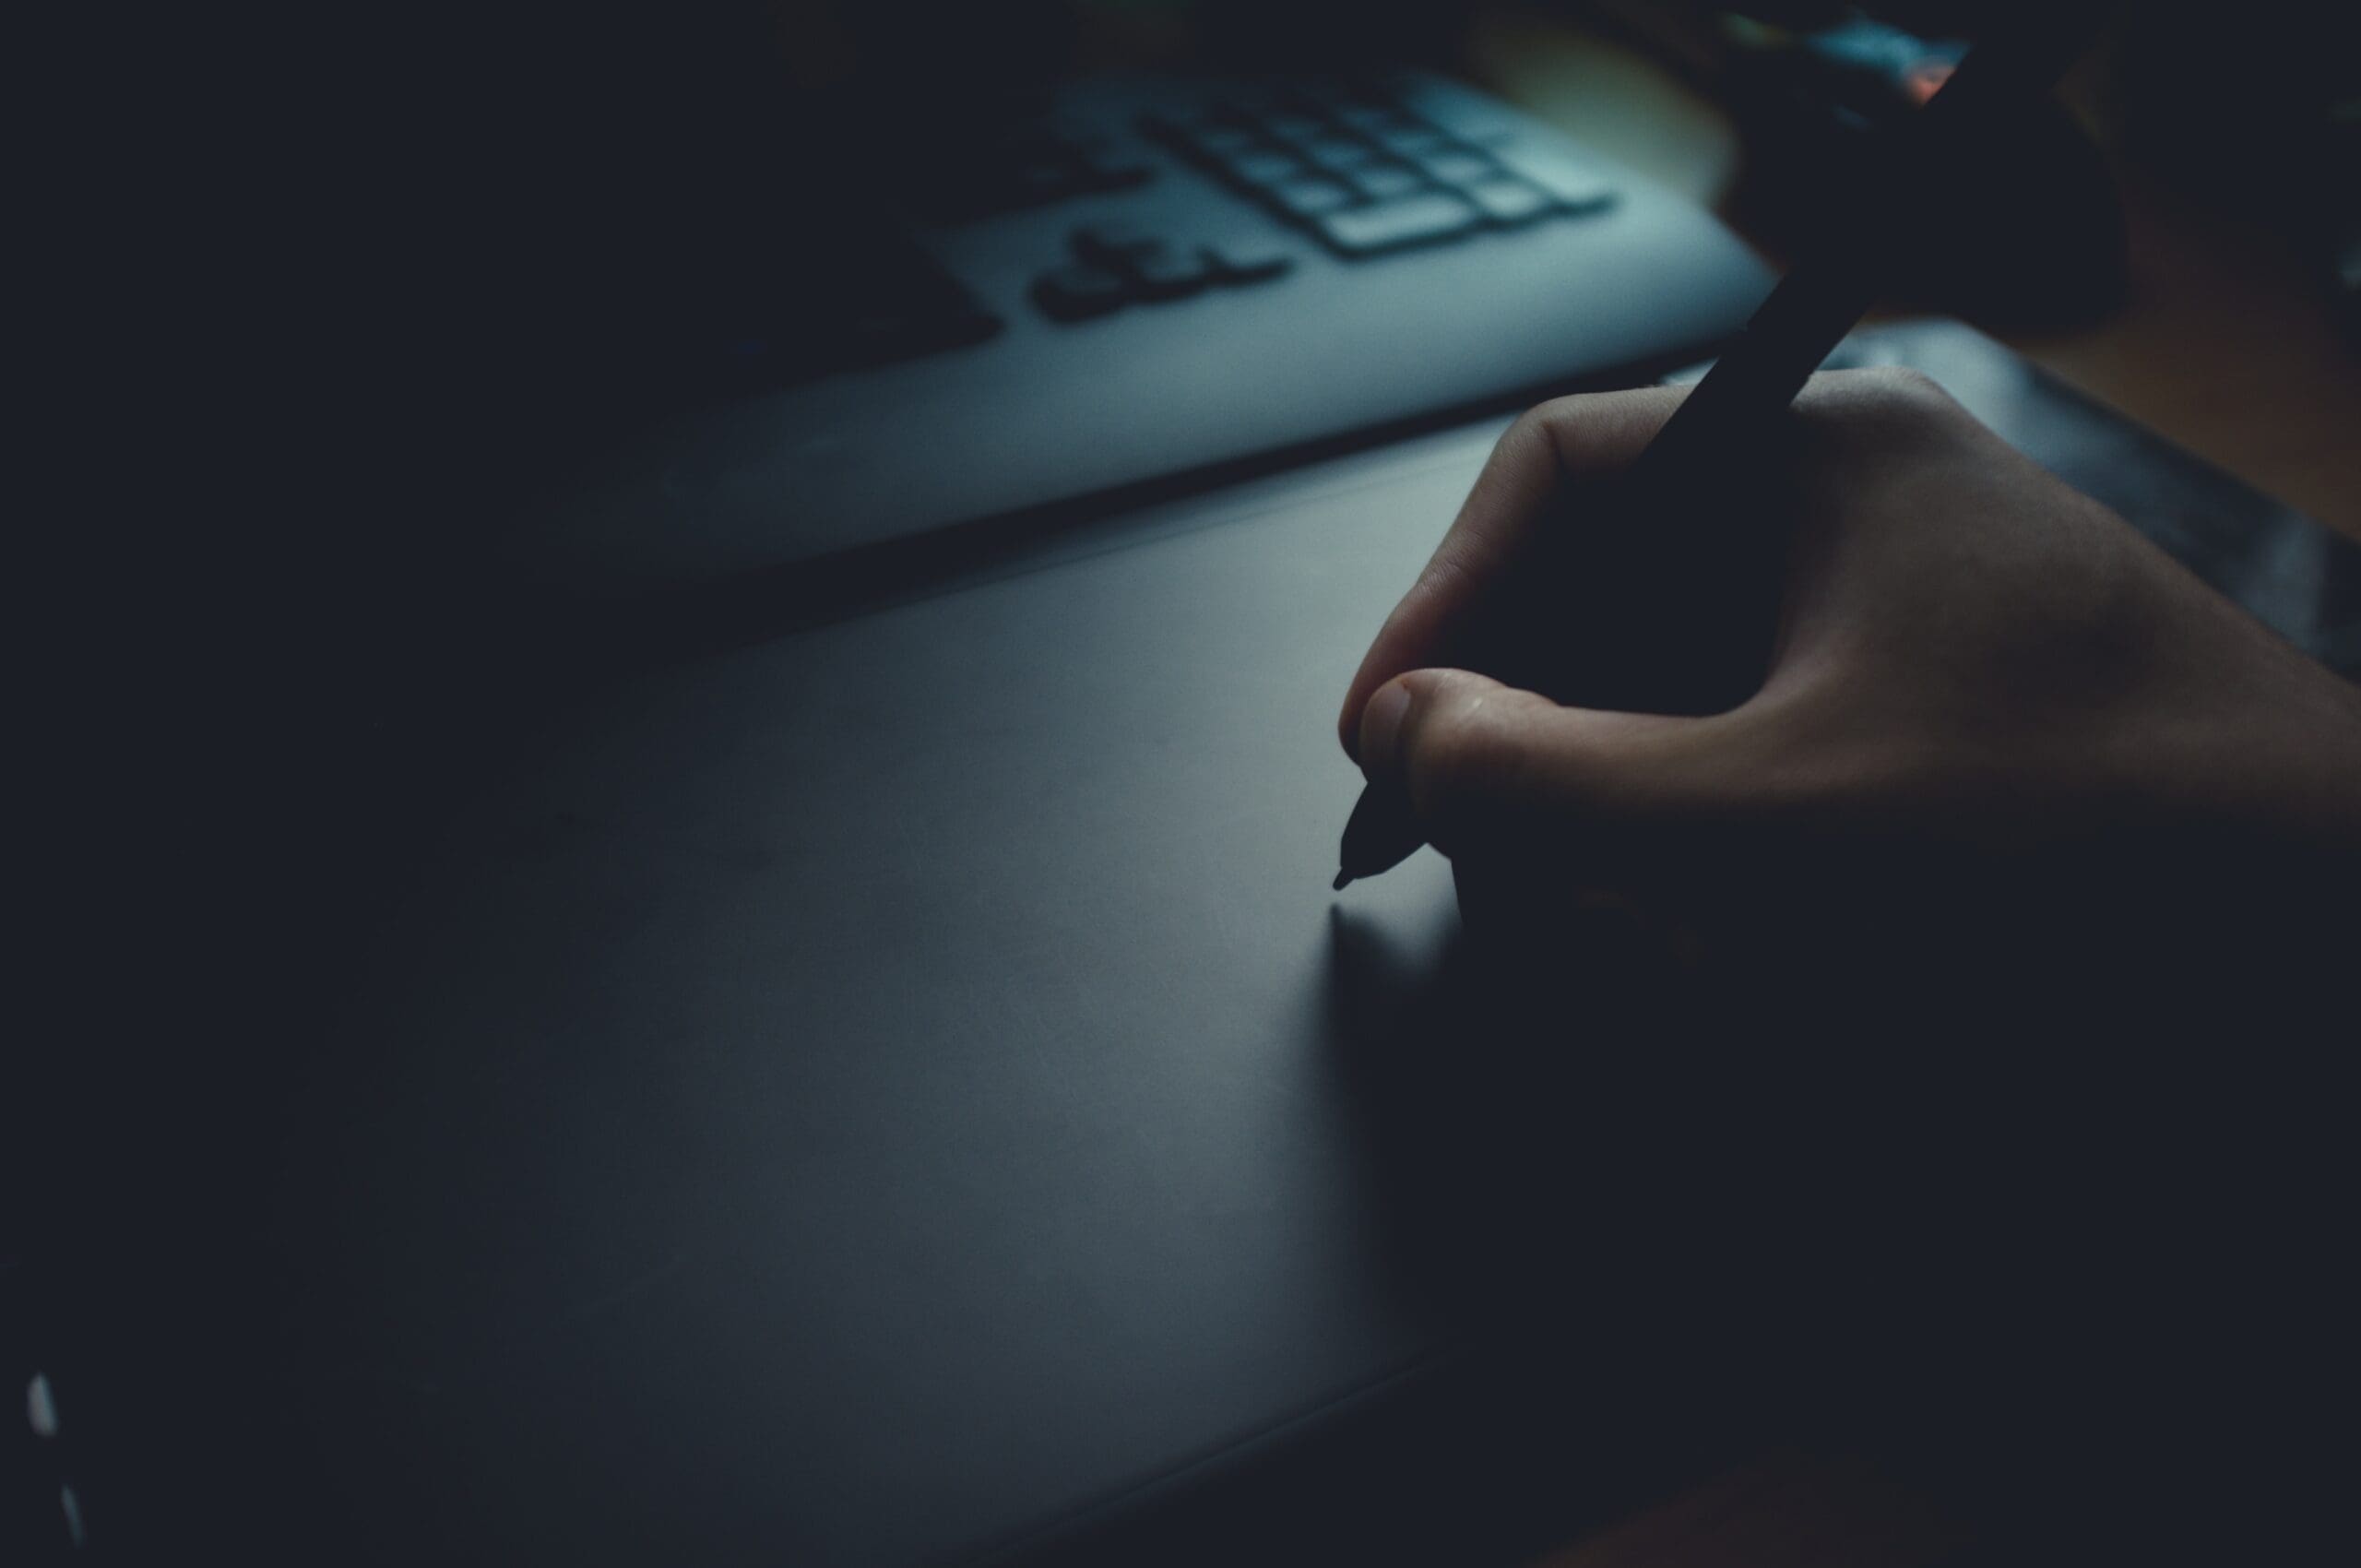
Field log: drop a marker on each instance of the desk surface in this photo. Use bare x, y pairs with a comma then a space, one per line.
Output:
2227, 344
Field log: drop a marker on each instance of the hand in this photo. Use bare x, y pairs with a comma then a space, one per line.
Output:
1960, 1048
1975, 665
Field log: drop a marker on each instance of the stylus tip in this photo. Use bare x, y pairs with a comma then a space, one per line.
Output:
1342, 877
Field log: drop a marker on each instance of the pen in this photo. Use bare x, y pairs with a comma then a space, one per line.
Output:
1706, 653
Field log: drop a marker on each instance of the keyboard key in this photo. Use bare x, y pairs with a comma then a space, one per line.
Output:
1366, 231
1266, 167
1388, 182
1455, 167
1573, 183
1504, 200
1077, 294
1166, 272
1311, 194
1411, 139
1241, 261
1340, 154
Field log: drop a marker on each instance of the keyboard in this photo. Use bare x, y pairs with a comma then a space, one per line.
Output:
1159, 282
1364, 172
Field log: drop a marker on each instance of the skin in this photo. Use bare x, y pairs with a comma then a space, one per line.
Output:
1990, 1078
1975, 666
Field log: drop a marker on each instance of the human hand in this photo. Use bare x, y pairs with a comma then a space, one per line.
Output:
1975, 665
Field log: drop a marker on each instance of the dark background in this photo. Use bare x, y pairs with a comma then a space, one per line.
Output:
311, 299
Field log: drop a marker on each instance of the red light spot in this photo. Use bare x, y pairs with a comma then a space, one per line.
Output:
1926, 78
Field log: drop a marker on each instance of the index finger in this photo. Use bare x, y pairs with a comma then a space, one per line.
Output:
1551, 447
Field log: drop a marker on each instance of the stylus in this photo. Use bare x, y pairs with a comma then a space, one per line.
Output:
1677, 656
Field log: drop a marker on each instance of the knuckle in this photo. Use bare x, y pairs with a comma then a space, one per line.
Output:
1540, 427
1586, 431
1883, 407
1529, 424
1464, 749
1554, 414
1878, 392
1906, 386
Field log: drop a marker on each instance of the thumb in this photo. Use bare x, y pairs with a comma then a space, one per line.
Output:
1488, 767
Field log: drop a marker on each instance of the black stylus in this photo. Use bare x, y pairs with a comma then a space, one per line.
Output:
1677, 658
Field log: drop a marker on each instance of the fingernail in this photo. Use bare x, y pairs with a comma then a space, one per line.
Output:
1381, 726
